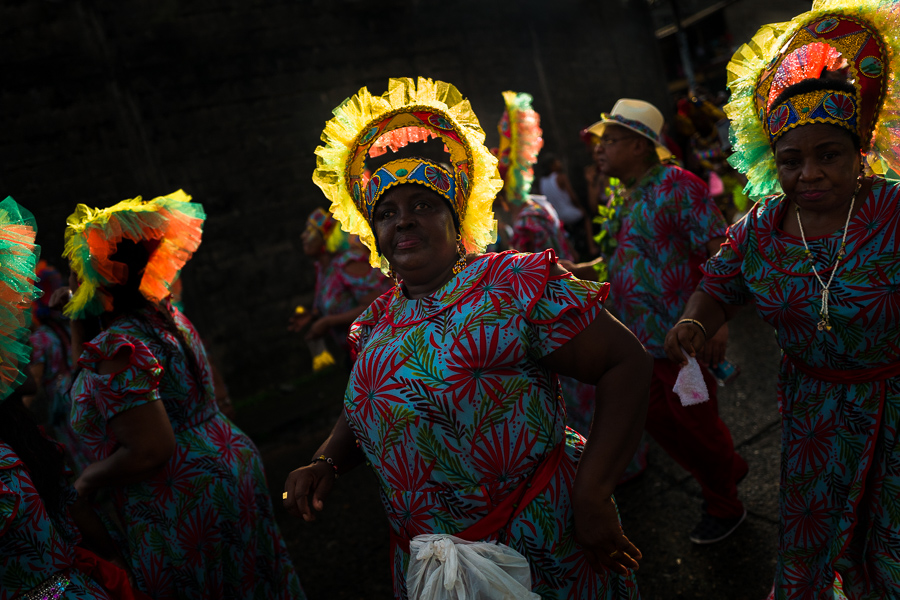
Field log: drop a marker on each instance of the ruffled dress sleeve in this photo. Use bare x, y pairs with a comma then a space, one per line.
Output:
556, 305
133, 386
723, 277
362, 326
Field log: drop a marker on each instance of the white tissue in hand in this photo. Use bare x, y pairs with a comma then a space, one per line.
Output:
690, 386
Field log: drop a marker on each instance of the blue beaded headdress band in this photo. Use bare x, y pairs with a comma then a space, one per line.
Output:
820, 106
410, 170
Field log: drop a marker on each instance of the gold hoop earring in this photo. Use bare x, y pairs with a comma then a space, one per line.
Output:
460, 264
393, 276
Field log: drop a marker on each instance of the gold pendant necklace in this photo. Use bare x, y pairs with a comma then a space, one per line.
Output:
825, 322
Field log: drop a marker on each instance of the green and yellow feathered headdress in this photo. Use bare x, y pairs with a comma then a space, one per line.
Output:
520, 143
410, 111
18, 261
858, 37
92, 236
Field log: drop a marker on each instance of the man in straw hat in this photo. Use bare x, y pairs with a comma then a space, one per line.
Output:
665, 225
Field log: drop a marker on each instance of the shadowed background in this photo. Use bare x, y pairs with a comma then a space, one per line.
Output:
102, 101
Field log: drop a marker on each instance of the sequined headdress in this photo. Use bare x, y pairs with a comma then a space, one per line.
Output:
18, 261
92, 235
853, 41
520, 143
410, 111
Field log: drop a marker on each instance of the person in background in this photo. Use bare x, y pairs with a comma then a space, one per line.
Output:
51, 363
599, 185
188, 485
553, 183
662, 226
345, 286
536, 229
815, 107
51, 544
532, 223
454, 398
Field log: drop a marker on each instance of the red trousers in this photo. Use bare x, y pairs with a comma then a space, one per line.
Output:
697, 439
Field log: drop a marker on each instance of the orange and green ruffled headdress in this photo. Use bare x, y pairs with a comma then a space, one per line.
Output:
520, 143
173, 222
410, 111
855, 40
18, 261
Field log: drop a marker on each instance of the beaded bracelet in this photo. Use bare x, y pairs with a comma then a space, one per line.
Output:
694, 322
324, 458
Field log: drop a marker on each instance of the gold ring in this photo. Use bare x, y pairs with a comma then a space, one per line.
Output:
613, 553
284, 496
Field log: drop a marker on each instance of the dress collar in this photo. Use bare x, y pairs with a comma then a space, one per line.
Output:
403, 312
786, 253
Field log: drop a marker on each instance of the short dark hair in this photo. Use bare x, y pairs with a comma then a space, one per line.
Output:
817, 85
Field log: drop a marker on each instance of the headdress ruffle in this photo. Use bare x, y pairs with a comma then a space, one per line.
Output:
520, 143
92, 236
751, 78
408, 111
18, 261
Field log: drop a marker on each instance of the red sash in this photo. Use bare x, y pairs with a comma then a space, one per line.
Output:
848, 376
509, 509
110, 577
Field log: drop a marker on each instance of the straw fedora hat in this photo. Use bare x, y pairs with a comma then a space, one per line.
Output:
640, 117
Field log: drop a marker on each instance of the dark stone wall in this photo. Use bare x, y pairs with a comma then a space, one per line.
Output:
101, 101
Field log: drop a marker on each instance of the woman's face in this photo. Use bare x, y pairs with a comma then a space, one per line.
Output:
415, 231
818, 166
313, 243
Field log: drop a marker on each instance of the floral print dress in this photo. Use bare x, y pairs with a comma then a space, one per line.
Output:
838, 391
661, 230
203, 527
36, 544
537, 229
454, 411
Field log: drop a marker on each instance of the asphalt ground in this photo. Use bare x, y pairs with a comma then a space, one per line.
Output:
344, 553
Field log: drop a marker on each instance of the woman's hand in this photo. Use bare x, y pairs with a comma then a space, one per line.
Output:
319, 328
598, 531
307, 488
298, 321
684, 335
83, 485
60, 297
714, 351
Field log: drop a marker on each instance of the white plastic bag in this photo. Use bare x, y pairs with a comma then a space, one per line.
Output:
690, 386
443, 567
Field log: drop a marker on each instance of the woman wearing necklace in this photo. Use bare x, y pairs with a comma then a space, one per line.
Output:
454, 396
821, 261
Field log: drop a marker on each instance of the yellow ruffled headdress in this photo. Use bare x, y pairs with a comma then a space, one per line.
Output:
410, 111
92, 236
854, 36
